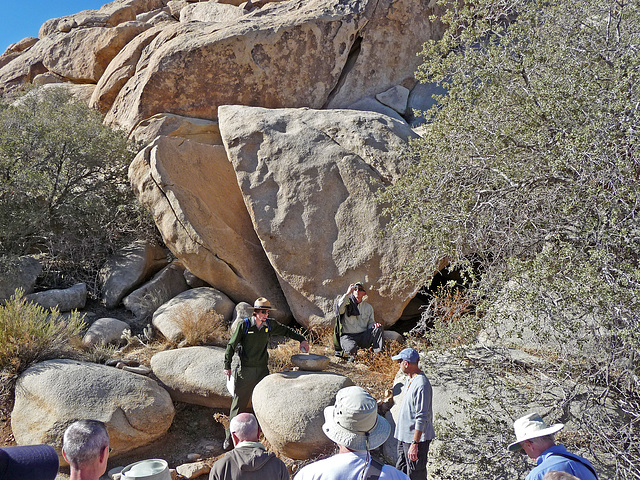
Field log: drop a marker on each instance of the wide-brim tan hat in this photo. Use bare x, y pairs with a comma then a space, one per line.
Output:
531, 426
262, 304
354, 421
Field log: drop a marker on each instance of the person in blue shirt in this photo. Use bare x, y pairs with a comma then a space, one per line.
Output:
537, 440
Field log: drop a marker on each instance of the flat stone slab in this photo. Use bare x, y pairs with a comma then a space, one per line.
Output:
311, 362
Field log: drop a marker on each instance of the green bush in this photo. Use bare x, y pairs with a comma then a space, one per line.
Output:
530, 168
64, 191
30, 334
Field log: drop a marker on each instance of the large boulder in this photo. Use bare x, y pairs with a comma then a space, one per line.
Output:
83, 54
20, 273
120, 69
344, 50
165, 285
109, 15
247, 62
193, 195
128, 268
195, 305
194, 375
23, 68
310, 180
290, 408
52, 394
64, 299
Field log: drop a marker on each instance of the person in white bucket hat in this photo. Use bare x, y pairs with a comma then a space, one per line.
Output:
535, 438
354, 425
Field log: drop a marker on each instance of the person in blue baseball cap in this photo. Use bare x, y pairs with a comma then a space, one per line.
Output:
414, 427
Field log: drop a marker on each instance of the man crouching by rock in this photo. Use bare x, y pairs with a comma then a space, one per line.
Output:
355, 325
85, 446
252, 336
249, 459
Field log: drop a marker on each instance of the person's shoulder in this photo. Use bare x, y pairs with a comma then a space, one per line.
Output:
389, 472
309, 471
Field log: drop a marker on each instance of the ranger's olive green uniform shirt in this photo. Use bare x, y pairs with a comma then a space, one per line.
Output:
254, 342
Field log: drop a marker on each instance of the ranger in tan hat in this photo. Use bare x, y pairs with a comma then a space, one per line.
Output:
536, 439
251, 337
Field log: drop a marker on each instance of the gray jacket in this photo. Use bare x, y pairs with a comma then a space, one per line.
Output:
249, 460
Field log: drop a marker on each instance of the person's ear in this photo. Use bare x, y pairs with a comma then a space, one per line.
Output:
104, 455
64, 455
235, 439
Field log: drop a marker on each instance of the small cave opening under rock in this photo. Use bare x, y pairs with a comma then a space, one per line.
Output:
411, 321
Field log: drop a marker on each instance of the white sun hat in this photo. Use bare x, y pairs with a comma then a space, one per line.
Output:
354, 421
531, 426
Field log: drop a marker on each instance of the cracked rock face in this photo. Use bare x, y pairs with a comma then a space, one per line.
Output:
191, 190
309, 179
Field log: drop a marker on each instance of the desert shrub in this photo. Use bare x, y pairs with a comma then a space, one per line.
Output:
530, 166
30, 334
64, 190
449, 319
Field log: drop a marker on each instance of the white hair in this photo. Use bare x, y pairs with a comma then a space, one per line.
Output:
84, 441
245, 426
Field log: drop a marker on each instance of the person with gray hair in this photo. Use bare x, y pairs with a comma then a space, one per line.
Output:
535, 438
85, 446
249, 459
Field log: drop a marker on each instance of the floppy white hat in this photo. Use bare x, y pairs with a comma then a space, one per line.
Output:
354, 421
531, 426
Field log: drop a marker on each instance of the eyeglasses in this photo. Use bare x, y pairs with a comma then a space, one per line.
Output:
360, 289
260, 310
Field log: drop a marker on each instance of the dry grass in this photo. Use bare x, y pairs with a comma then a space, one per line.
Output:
202, 328
320, 335
280, 357
381, 364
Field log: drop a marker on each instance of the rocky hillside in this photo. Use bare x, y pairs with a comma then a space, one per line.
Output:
259, 179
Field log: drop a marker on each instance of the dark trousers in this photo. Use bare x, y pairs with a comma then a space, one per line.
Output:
246, 379
416, 470
371, 337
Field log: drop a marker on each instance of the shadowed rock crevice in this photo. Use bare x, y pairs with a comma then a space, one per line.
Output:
354, 52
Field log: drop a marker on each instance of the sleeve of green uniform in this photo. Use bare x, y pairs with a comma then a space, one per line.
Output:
279, 329
231, 346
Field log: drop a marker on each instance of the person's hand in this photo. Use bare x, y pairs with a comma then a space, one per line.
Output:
227, 373
351, 288
304, 346
413, 452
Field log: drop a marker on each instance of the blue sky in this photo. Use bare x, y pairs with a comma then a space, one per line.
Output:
22, 18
